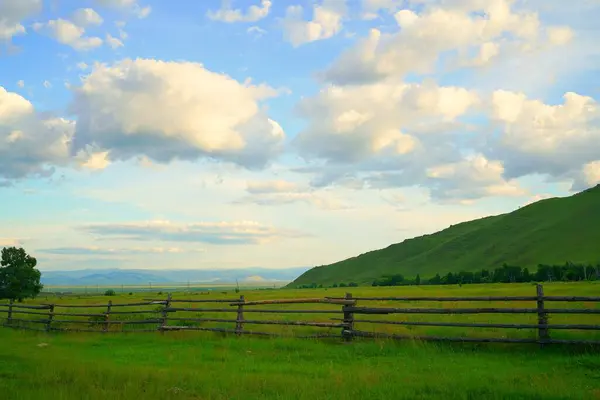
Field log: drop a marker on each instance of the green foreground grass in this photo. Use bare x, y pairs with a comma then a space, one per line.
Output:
206, 366
201, 365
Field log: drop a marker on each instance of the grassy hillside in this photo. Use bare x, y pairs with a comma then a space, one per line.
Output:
550, 231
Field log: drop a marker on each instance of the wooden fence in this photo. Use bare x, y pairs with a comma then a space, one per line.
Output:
168, 316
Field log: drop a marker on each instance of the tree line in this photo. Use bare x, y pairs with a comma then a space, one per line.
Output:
567, 272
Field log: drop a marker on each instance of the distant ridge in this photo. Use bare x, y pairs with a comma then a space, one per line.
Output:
144, 276
550, 231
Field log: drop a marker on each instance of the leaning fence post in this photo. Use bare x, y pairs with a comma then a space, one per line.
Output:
543, 334
348, 329
239, 322
10, 308
165, 314
107, 317
50, 317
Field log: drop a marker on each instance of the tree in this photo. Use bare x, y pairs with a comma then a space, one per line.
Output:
19, 279
418, 279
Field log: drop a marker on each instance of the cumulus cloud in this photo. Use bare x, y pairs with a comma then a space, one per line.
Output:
457, 29
67, 33
12, 13
174, 110
87, 16
355, 123
326, 22
536, 137
228, 14
217, 233
30, 142
471, 178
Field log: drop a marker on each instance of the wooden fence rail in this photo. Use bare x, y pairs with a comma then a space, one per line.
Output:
165, 317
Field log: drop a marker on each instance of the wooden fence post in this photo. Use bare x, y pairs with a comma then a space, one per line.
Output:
10, 309
107, 317
165, 314
239, 322
543, 333
347, 331
50, 317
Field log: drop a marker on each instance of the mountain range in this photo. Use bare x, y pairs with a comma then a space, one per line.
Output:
551, 231
142, 276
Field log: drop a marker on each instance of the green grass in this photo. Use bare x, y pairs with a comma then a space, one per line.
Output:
200, 365
550, 231
191, 366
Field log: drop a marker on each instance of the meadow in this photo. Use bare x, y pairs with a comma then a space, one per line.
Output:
202, 365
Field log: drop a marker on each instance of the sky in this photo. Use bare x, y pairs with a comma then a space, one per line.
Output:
281, 133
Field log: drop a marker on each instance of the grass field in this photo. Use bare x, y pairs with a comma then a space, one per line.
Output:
199, 365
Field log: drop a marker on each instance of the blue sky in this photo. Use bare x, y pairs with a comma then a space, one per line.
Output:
226, 134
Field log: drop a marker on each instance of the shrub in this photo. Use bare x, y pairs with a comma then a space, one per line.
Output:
109, 292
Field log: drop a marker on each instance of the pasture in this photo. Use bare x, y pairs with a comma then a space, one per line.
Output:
204, 365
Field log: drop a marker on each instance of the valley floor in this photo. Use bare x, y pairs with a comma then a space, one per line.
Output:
189, 365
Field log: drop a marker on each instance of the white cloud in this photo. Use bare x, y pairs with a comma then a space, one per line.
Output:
258, 31
21, 83
228, 14
217, 233
82, 66
93, 159
355, 123
30, 144
471, 178
67, 33
87, 16
591, 173
12, 13
488, 28
174, 110
113, 42
539, 138
326, 22
47, 84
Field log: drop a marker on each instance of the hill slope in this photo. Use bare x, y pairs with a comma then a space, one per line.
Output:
550, 231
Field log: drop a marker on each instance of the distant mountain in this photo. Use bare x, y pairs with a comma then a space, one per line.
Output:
141, 276
551, 231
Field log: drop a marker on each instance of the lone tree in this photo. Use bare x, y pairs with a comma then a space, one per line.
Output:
19, 279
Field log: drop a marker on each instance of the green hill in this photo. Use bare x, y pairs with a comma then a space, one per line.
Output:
550, 231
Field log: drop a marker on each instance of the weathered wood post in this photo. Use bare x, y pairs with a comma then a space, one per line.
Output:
107, 317
239, 322
347, 331
10, 309
50, 318
543, 333
165, 314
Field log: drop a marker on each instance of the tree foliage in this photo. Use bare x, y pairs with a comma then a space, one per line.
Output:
19, 279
